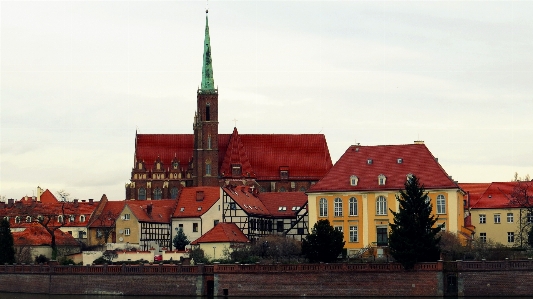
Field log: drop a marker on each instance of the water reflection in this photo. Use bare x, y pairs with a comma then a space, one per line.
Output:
39, 296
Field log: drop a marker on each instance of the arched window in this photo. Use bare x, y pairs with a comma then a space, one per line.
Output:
17, 219
209, 142
60, 219
353, 206
82, 218
441, 204
174, 193
353, 180
323, 207
381, 205
158, 194
28, 219
338, 207
142, 194
208, 169
382, 179
207, 112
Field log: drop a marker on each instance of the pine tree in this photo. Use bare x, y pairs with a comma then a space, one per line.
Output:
7, 251
324, 244
413, 236
180, 240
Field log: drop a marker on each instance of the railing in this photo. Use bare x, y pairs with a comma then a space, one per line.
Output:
148, 269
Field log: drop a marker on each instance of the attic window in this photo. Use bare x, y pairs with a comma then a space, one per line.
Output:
199, 208
82, 218
369, 161
400, 160
353, 180
182, 209
236, 170
382, 179
28, 219
284, 174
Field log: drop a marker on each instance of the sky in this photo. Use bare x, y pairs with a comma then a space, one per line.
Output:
79, 78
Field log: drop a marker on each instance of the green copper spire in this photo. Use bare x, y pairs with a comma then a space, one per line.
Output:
208, 83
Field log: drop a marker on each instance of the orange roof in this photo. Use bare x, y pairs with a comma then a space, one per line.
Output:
306, 155
247, 200
195, 201
36, 235
48, 197
105, 217
499, 195
395, 162
160, 213
283, 204
222, 232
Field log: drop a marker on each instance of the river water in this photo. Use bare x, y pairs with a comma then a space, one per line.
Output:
37, 296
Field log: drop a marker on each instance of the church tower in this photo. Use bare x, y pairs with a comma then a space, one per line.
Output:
205, 156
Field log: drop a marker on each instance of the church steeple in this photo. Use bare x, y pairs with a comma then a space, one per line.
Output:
208, 83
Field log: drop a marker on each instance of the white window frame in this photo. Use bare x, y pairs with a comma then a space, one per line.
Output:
338, 207
497, 218
354, 180
381, 205
510, 237
382, 180
482, 218
127, 232
441, 204
323, 207
510, 217
353, 206
126, 216
82, 218
354, 235
338, 227
483, 237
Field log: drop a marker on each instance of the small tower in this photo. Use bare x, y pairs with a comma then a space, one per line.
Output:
205, 156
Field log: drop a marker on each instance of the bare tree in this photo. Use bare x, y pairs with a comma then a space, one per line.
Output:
64, 196
522, 197
106, 225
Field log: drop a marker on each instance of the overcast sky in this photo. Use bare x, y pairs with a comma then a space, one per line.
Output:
79, 77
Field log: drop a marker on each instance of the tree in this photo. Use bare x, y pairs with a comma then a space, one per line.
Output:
180, 240
324, 244
106, 225
413, 236
7, 251
64, 196
522, 197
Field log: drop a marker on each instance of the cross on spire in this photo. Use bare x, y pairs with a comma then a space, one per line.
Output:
235, 120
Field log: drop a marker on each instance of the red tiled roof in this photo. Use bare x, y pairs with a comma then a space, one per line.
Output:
110, 209
306, 155
247, 200
161, 210
415, 159
189, 206
290, 202
222, 232
475, 190
36, 235
235, 154
499, 194
48, 197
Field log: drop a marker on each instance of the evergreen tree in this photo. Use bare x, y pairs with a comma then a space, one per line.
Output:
7, 251
324, 244
180, 240
413, 236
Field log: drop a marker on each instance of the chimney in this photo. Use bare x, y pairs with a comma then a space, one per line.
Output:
91, 201
18, 204
10, 202
199, 195
39, 192
2, 205
75, 202
149, 209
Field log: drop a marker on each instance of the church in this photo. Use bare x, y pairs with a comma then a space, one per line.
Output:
165, 163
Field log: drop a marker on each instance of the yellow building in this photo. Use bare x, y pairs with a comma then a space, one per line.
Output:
357, 193
497, 215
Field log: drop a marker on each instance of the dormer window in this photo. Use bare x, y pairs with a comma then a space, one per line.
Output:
60, 219
284, 174
82, 218
369, 161
382, 179
28, 219
399, 160
354, 180
236, 170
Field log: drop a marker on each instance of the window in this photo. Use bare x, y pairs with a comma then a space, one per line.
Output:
496, 218
338, 207
209, 142
441, 204
60, 218
354, 180
338, 227
279, 226
232, 206
215, 222
180, 227
382, 236
353, 206
381, 206
174, 193
284, 174
207, 112
71, 218
99, 233
482, 218
28, 219
82, 218
282, 189
236, 170
483, 237
208, 169
195, 227
17, 219
127, 231
382, 179
126, 216
323, 207
158, 194
353, 234
427, 199
510, 218
142, 194
510, 237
